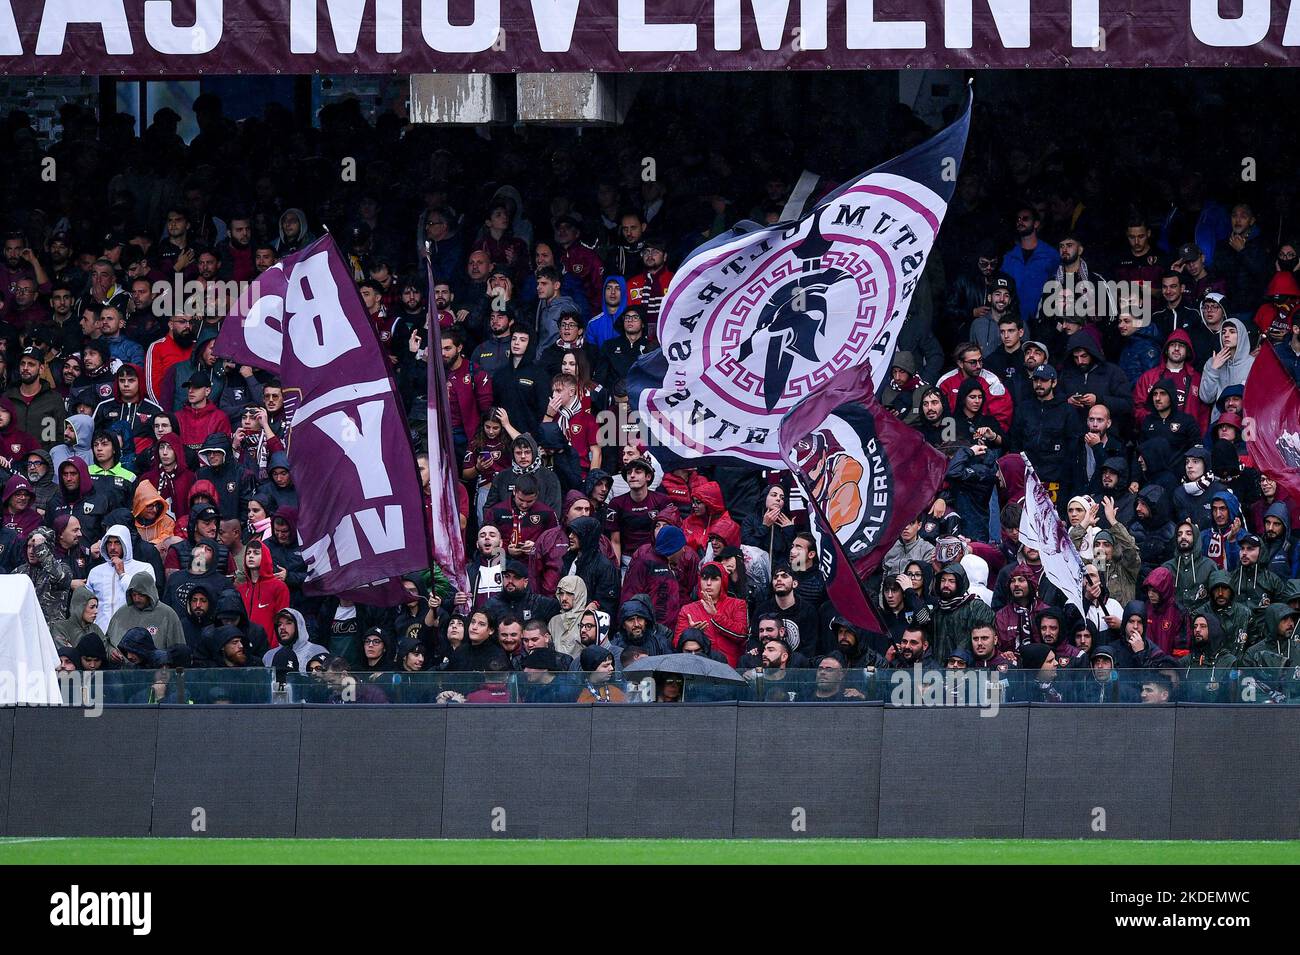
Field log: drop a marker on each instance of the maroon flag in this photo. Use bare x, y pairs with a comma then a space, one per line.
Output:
1272, 406
445, 535
361, 519
866, 476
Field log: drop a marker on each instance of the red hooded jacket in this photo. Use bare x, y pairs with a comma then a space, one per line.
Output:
727, 627
697, 526
265, 597
1187, 381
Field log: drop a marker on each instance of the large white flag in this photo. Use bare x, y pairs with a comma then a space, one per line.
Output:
760, 318
1042, 529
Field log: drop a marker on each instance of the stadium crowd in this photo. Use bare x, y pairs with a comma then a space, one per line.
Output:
148, 495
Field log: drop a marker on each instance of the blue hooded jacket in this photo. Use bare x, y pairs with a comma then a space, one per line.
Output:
1231, 545
602, 328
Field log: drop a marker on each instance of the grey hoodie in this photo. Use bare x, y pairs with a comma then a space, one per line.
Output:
67, 632
305, 235
303, 648
1234, 372
158, 618
84, 425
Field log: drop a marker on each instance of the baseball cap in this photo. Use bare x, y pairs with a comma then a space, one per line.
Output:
113, 240
516, 568
198, 380
1253, 540
209, 513
1044, 372
1189, 251
31, 351
1000, 280
569, 218
1040, 346
655, 242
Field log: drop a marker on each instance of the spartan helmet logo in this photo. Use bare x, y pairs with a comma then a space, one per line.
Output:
810, 453
795, 315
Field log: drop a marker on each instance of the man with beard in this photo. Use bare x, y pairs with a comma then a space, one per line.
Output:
1014, 622
1255, 584
829, 686
637, 628
1221, 541
804, 565
236, 252
968, 302
1092, 451
648, 287
517, 598
1046, 429
1179, 369
1233, 618
1031, 263
1279, 551
38, 409
956, 611
985, 329
801, 617
173, 348
1176, 312
493, 353
913, 648
198, 612
1116, 556
1091, 380
1050, 624
469, 390
1114, 484
291, 632
1165, 420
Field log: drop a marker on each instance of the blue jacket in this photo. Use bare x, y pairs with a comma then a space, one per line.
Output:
1031, 276
601, 328
125, 350
1231, 545
1213, 225
1141, 353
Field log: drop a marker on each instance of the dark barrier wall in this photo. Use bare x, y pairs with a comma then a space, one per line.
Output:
691, 771
1236, 773
952, 772
94, 777
6, 756
516, 772
228, 770
1101, 772
807, 770
371, 772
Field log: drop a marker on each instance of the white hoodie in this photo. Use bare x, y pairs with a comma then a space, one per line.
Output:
977, 572
106, 584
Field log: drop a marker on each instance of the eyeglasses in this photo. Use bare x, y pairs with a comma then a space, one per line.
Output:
374, 642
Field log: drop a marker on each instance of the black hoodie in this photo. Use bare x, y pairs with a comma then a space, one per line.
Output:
1179, 428
225, 478
229, 602
1105, 380
595, 569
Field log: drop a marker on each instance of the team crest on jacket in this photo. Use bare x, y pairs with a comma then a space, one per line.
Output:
851, 481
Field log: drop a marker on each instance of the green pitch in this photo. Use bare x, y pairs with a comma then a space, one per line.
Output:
19, 851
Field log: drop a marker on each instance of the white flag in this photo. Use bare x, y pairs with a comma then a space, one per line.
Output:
1042, 529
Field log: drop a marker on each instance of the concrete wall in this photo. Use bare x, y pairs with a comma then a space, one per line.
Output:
691, 771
